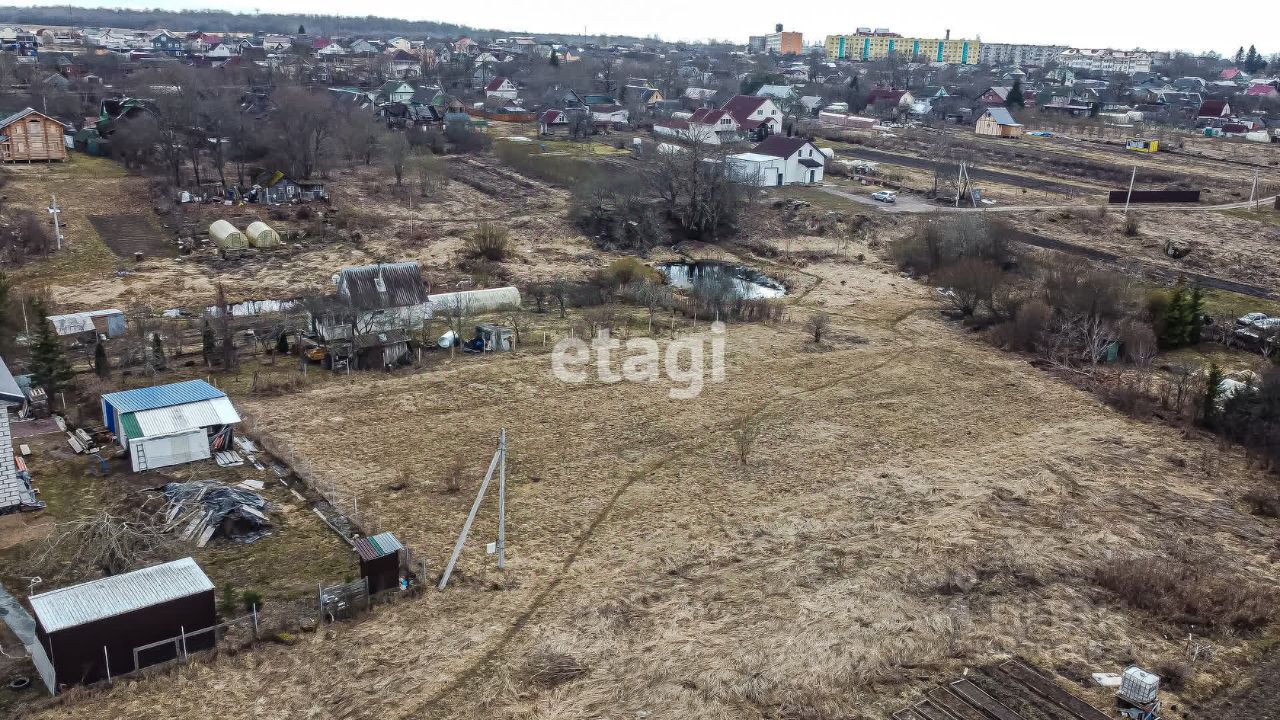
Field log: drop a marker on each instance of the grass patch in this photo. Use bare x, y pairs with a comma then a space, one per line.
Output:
1233, 304
1229, 359
1265, 215
1188, 592
564, 169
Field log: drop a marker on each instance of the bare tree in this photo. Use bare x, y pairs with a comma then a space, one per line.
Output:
744, 440
226, 338
817, 325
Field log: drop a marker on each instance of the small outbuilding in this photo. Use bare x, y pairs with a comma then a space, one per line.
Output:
89, 325
92, 630
228, 238
170, 424
380, 561
261, 235
998, 122
29, 135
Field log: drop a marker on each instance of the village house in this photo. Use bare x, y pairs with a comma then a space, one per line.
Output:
779, 161
757, 117
28, 135
163, 41
372, 299
553, 122
395, 91
1214, 110
890, 99
783, 94
998, 122
707, 125
364, 47
16, 492
403, 64
641, 95
501, 87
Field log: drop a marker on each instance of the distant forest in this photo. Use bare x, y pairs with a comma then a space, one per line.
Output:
222, 21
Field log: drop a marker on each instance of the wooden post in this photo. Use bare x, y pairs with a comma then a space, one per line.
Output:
107, 659
182, 632
254, 610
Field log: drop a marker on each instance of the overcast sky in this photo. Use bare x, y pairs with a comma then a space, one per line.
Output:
1080, 23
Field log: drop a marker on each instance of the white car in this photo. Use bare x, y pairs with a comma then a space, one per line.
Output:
885, 196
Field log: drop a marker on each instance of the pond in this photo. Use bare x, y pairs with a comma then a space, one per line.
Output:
751, 283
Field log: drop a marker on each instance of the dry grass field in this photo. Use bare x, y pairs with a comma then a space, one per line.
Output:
916, 502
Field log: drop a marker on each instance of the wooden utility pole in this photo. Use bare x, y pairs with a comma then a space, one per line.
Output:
1132, 178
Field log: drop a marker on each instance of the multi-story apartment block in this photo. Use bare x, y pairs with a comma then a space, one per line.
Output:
1106, 61
868, 44
784, 43
1013, 54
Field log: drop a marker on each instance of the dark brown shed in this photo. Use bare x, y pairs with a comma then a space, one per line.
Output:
83, 627
380, 561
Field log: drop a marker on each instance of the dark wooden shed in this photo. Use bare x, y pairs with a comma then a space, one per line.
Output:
380, 561
82, 627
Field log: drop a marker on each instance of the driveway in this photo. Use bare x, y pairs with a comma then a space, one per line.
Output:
905, 203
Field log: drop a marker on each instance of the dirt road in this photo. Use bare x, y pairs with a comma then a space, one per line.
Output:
977, 174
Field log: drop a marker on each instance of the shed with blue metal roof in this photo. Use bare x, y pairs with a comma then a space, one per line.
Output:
170, 424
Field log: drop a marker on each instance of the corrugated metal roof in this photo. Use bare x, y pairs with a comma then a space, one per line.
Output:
1002, 116
9, 390
162, 396
74, 323
376, 546
119, 594
179, 418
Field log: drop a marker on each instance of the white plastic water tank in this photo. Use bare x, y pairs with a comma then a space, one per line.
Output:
1139, 686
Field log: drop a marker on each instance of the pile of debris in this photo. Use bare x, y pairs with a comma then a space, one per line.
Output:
199, 510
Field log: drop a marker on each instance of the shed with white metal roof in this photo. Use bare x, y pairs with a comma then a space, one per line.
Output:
91, 630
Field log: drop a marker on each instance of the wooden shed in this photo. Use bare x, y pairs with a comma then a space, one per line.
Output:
998, 122
29, 135
93, 628
261, 235
228, 238
380, 561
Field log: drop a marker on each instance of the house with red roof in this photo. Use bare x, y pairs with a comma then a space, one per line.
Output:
1214, 109
1263, 90
757, 117
501, 87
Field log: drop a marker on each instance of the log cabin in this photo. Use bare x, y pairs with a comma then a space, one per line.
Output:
29, 135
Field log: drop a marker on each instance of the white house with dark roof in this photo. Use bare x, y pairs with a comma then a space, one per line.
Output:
780, 160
